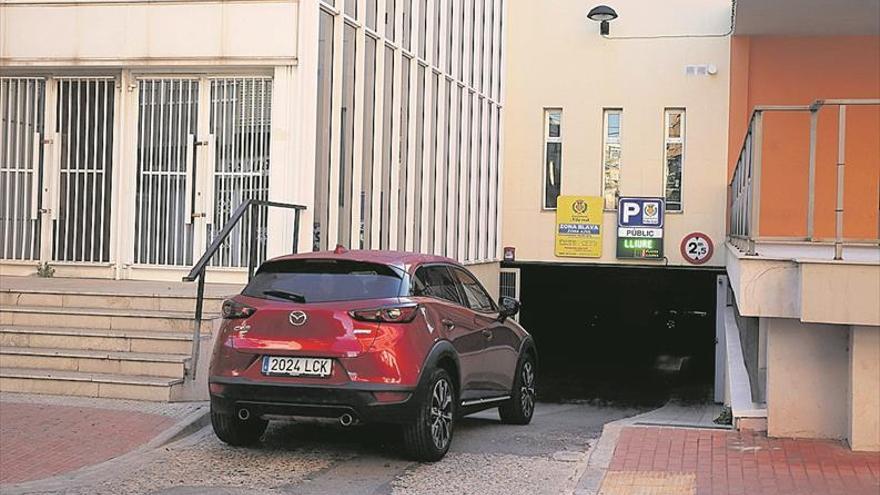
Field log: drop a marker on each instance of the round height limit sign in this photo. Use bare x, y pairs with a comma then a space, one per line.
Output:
697, 248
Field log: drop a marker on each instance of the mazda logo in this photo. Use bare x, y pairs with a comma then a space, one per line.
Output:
297, 318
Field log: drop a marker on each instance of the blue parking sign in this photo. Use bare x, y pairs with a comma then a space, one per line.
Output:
640, 228
640, 212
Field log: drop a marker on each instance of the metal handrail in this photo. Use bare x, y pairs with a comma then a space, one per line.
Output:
744, 189
198, 270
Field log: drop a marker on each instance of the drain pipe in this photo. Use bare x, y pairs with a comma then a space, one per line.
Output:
841, 160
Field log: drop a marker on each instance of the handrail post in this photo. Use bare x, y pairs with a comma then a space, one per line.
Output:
197, 329
811, 181
755, 189
252, 246
841, 159
296, 217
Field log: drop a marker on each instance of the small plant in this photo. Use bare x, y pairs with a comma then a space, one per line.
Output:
725, 418
44, 270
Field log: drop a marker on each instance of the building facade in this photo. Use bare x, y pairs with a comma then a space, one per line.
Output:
132, 133
804, 247
592, 118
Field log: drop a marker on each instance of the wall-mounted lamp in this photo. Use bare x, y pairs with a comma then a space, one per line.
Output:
602, 14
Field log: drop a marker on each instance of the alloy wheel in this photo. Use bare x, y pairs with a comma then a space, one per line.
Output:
440, 419
527, 389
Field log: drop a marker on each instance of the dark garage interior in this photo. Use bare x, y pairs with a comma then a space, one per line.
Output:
628, 335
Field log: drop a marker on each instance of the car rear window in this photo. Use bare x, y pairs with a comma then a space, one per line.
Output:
324, 280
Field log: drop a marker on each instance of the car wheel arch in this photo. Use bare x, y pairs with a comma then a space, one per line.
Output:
527, 348
442, 355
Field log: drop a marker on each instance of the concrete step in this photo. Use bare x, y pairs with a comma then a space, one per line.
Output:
83, 384
89, 299
119, 294
96, 339
103, 318
90, 361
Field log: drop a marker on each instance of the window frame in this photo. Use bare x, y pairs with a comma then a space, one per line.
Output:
545, 140
463, 294
667, 140
605, 142
460, 296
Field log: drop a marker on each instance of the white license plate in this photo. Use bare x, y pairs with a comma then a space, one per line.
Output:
297, 366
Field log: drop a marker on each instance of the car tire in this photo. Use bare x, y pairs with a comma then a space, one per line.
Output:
237, 432
428, 436
521, 406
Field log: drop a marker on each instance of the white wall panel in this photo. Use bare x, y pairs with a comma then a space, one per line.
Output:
141, 32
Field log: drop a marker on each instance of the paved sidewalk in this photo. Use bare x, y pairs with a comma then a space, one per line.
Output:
46, 436
673, 461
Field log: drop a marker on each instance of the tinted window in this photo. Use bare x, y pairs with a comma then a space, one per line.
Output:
435, 281
477, 298
325, 280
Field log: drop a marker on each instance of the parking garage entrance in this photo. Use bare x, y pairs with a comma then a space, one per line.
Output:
631, 335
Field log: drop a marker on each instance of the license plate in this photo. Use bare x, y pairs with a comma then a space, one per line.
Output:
296, 366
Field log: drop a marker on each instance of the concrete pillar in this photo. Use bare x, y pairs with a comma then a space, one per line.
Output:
864, 389
807, 377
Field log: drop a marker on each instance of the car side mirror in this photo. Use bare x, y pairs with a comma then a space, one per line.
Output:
508, 307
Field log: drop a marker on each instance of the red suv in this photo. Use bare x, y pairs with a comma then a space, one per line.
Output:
370, 337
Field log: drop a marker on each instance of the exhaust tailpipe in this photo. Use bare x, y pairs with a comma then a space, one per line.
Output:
244, 414
346, 419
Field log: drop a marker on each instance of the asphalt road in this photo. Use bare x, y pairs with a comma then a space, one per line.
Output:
486, 458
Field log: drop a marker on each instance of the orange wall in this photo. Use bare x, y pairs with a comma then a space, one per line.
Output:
798, 71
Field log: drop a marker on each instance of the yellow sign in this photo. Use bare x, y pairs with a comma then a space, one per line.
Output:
579, 226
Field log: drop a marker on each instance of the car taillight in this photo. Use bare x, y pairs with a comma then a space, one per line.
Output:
233, 310
389, 314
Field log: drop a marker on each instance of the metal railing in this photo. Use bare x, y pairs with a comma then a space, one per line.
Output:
744, 189
198, 270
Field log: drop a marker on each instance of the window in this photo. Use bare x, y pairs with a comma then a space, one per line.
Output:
611, 158
435, 281
552, 156
371, 14
403, 157
346, 143
477, 297
387, 118
367, 159
318, 280
407, 24
674, 157
322, 148
389, 19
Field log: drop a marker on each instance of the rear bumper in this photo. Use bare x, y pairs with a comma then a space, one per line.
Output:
228, 395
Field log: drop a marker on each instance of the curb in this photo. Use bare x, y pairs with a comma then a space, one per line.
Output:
191, 423
598, 457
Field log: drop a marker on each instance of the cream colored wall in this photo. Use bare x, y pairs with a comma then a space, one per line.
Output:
840, 292
815, 291
807, 377
556, 58
148, 32
864, 368
489, 276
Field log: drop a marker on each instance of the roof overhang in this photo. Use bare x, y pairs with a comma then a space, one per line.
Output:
807, 17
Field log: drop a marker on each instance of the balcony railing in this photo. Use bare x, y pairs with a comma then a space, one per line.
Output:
744, 190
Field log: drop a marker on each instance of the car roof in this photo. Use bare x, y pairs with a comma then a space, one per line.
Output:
400, 259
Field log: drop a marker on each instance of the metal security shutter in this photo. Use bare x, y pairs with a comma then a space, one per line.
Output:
167, 124
85, 138
509, 284
241, 110
22, 102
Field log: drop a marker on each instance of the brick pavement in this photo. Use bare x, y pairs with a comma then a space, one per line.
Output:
39, 440
673, 461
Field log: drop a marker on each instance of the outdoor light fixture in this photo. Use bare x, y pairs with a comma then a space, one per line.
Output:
602, 14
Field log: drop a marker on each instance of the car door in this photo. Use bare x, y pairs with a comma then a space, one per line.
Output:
500, 343
440, 296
